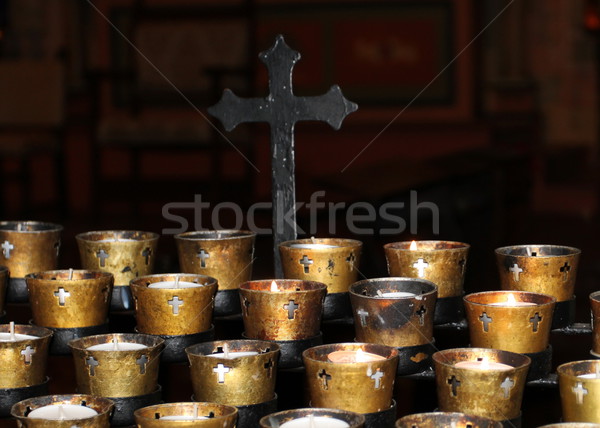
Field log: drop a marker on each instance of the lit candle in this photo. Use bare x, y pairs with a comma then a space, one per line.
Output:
11, 336
511, 302
358, 356
413, 246
174, 284
61, 412
482, 364
312, 421
395, 294
115, 345
231, 355
274, 288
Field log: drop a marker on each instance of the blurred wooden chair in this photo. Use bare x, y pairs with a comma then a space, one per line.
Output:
32, 118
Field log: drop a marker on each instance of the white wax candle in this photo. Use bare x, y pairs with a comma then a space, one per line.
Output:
11, 336
358, 356
314, 246
117, 346
62, 412
182, 418
232, 355
395, 294
589, 376
315, 422
174, 284
482, 365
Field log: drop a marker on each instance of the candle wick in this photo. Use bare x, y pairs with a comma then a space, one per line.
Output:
19, 227
115, 344
61, 412
70, 274
226, 350
195, 411
313, 240
177, 281
379, 293
12, 331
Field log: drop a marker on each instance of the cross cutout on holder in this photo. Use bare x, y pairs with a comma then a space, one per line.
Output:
363, 316
421, 314
62, 296
220, 370
535, 321
102, 255
306, 262
507, 385
325, 377
579, 391
420, 265
28, 353
6, 248
203, 256
92, 363
291, 309
142, 363
516, 271
454, 384
377, 378
486, 320
176, 303
565, 269
147, 253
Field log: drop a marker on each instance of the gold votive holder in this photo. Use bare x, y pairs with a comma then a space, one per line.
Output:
4, 277
446, 419
127, 254
441, 262
118, 370
579, 385
186, 415
27, 246
595, 319
546, 269
226, 255
234, 372
321, 416
515, 321
102, 406
178, 310
482, 382
23, 360
332, 261
337, 374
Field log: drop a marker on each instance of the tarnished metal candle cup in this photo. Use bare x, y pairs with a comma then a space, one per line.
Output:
186, 415
226, 255
117, 371
579, 385
446, 419
515, 321
441, 262
364, 370
393, 311
243, 375
275, 420
332, 261
27, 246
487, 382
282, 309
102, 406
546, 269
24, 359
595, 318
177, 310
127, 254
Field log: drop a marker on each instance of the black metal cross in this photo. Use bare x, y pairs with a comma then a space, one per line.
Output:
282, 109
454, 384
535, 320
565, 270
325, 377
486, 320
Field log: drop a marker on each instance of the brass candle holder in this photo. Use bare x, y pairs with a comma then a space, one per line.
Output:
285, 311
27, 246
358, 377
127, 254
125, 370
102, 406
187, 415
72, 303
579, 384
441, 262
546, 269
332, 261
23, 368
482, 382
446, 419
226, 255
595, 319
180, 313
397, 312
238, 373
275, 420
515, 321
4, 277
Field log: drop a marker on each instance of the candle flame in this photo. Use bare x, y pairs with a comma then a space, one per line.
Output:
360, 356
274, 286
413, 246
511, 299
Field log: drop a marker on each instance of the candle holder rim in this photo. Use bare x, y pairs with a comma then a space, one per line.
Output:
352, 418
155, 341
233, 234
393, 352
505, 251
271, 346
595, 295
318, 286
140, 413
550, 300
507, 357
45, 400
34, 330
400, 245
100, 234
457, 415
159, 277
563, 369
398, 279
51, 227
350, 243
42, 275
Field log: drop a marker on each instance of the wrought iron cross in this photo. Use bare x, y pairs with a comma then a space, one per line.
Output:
282, 109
